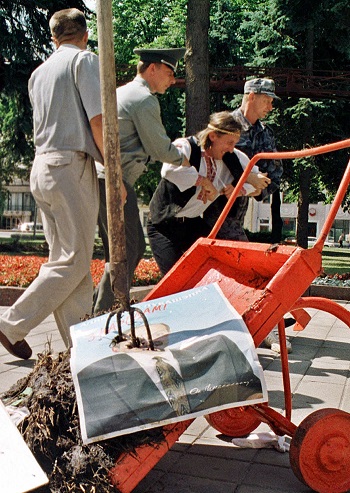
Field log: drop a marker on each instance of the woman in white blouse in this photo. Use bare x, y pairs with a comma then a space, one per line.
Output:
184, 192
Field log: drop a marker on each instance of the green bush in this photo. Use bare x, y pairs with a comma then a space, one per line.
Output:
259, 236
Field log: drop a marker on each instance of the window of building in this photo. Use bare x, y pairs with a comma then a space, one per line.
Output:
289, 226
20, 201
264, 225
15, 201
28, 201
145, 219
340, 226
312, 229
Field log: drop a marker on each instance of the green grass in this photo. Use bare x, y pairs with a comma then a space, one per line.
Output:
26, 244
336, 260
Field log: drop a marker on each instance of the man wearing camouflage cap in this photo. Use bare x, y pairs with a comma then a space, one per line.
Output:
143, 140
256, 137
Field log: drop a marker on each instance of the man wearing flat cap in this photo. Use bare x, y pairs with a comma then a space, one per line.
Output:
256, 136
169, 56
143, 140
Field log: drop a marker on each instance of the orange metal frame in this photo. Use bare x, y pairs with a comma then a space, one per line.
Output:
258, 280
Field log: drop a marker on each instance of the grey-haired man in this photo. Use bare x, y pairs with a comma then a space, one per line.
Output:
143, 139
256, 137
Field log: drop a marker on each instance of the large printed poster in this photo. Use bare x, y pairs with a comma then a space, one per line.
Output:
204, 361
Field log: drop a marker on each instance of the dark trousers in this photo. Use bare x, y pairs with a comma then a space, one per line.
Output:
170, 239
135, 245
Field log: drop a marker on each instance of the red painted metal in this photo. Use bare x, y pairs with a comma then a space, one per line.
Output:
262, 283
131, 467
320, 451
325, 305
234, 422
277, 422
293, 155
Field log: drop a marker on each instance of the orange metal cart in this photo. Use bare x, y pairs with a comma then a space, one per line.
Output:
262, 283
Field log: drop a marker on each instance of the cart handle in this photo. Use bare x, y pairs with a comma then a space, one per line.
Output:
336, 146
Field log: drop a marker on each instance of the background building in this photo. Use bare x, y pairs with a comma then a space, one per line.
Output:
19, 208
19, 205
258, 218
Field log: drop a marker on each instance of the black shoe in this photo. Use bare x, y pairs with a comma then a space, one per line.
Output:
20, 349
288, 322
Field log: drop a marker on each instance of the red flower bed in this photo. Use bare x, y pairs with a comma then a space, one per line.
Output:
21, 270
339, 277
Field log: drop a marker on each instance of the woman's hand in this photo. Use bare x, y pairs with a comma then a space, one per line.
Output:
228, 191
208, 191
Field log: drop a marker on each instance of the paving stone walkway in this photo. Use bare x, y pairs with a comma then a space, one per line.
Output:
204, 461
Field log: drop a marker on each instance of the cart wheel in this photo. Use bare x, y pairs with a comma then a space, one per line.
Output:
320, 451
234, 422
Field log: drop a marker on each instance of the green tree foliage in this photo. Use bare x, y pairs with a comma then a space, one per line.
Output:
142, 23
263, 36
299, 34
15, 137
330, 20
225, 46
25, 37
312, 35
158, 24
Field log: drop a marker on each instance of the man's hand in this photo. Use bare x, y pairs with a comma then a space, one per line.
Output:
124, 194
258, 180
97, 132
186, 162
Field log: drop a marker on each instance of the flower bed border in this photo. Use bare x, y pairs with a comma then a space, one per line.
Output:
339, 293
8, 295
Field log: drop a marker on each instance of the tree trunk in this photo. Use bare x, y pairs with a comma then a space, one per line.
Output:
197, 66
306, 172
112, 159
277, 223
303, 207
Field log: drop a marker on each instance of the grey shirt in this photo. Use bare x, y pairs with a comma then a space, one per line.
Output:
142, 134
65, 95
